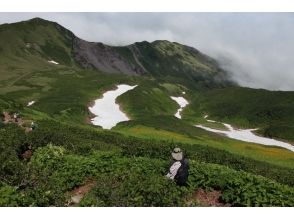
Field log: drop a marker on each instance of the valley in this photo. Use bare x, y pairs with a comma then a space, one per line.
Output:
106, 115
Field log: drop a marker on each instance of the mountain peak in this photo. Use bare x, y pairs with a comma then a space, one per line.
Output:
160, 58
38, 20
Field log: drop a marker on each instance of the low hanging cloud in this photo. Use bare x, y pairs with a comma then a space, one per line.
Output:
256, 48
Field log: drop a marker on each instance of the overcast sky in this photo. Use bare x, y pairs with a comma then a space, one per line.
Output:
257, 48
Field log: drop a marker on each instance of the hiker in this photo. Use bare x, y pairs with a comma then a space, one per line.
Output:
33, 126
15, 117
179, 169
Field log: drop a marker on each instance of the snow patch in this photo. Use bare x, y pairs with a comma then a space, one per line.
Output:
52, 61
246, 135
182, 102
30, 103
107, 111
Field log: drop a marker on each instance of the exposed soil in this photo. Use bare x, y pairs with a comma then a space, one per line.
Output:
82, 190
207, 199
27, 154
7, 118
78, 193
88, 119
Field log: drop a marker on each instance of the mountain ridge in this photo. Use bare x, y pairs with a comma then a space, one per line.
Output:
160, 58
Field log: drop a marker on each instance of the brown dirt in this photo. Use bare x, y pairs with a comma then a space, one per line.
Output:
20, 122
79, 192
88, 120
207, 199
28, 129
27, 155
7, 118
82, 190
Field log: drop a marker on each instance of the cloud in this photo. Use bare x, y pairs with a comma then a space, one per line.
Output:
257, 48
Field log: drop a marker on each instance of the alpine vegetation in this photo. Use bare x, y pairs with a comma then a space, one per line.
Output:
90, 124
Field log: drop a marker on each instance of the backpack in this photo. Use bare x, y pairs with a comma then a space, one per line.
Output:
183, 172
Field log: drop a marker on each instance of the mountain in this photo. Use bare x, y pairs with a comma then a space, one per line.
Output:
51, 77
161, 68
36, 41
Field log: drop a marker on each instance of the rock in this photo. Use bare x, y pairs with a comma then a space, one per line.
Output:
76, 199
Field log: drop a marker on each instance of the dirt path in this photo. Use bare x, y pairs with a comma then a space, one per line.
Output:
78, 193
208, 199
22, 76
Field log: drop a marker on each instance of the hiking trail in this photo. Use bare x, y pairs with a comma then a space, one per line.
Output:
79, 192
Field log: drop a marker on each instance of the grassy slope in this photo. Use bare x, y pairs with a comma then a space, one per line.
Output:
164, 126
126, 171
272, 111
135, 182
175, 63
25, 49
63, 92
147, 99
72, 93
66, 92
28, 45
172, 129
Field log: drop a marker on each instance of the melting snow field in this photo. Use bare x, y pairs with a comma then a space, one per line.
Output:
30, 103
107, 111
53, 62
247, 135
182, 102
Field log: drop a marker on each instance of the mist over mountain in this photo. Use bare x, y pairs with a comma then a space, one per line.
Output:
255, 47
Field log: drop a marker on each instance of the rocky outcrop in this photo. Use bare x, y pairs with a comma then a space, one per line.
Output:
104, 58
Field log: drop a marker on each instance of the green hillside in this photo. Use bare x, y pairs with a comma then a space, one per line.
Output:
173, 62
244, 107
28, 45
125, 166
113, 162
147, 99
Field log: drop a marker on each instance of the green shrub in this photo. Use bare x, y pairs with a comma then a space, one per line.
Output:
12, 141
84, 141
240, 188
8, 196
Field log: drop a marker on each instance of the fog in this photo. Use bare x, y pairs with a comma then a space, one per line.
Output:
256, 48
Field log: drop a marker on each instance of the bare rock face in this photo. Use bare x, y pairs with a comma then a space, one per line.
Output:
102, 57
